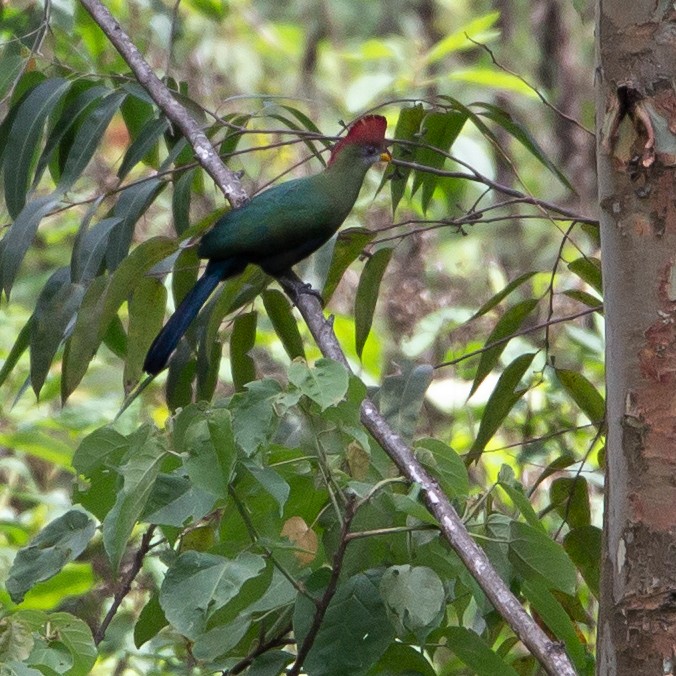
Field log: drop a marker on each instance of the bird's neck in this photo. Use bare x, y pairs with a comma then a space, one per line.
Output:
345, 175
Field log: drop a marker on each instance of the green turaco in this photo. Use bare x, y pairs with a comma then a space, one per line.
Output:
278, 228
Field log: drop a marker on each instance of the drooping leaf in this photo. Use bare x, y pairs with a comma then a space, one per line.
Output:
55, 309
501, 295
180, 200
588, 269
570, 498
517, 496
510, 322
23, 141
367, 295
439, 131
446, 465
20, 346
500, 403
89, 249
558, 621
242, 341
142, 145
583, 545
150, 620
286, 327
401, 396
61, 541
479, 30
349, 245
583, 393
537, 557
476, 653
406, 131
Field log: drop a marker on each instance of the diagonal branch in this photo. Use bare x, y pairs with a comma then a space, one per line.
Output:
550, 654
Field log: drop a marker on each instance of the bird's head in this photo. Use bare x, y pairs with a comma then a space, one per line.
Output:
364, 141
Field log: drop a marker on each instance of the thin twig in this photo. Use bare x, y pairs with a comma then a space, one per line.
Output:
127, 581
329, 592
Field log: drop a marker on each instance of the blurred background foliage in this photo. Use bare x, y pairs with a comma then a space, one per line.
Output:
273, 67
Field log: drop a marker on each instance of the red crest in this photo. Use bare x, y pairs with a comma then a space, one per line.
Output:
366, 130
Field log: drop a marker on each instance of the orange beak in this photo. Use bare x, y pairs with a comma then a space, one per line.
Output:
385, 156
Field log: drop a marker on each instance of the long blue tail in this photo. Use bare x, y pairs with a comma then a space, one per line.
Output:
168, 338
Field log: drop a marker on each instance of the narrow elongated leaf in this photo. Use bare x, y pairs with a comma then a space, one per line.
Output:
517, 496
500, 403
537, 557
439, 132
143, 144
20, 346
476, 653
501, 295
23, 141
583, 393
292, 125
242, 341
407, 130
55, 309
367, 296
477, 29
588, 269
131, 204
234, 136
180, 200
523, 135
510, 322
558, 621
280, 314
20, 236
349, 246
89, 250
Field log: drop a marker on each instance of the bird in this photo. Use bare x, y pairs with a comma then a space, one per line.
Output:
278, 228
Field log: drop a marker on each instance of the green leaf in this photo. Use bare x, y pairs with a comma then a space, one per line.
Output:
280, 314
23, 141
510, 322
271, 481
523, 135
20, 345
401, 397
588, 269
477, 29
138, 474
558, 621
517, 496
150, 621
176, 500
197, 585
404, 660
500, 403
19, 237
355, 631
349, 246
88, 137
537, 557
439, 133
501, 295
583, 545
570, 497
180, 200
446, 465
326, 383
407, 130
476, 653
585, 298
61, 541
55, 308
242, 341
253, 414
583, 393
89, 249
142, 145
210, 444
563, 461
415, 599
292, 125
367, 295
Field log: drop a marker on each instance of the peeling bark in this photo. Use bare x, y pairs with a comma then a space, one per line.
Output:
636, 139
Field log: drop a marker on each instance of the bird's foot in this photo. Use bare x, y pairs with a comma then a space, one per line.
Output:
296, 287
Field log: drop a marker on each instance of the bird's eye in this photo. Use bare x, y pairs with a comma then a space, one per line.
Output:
372, 150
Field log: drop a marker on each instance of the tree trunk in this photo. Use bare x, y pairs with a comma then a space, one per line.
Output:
636, 147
